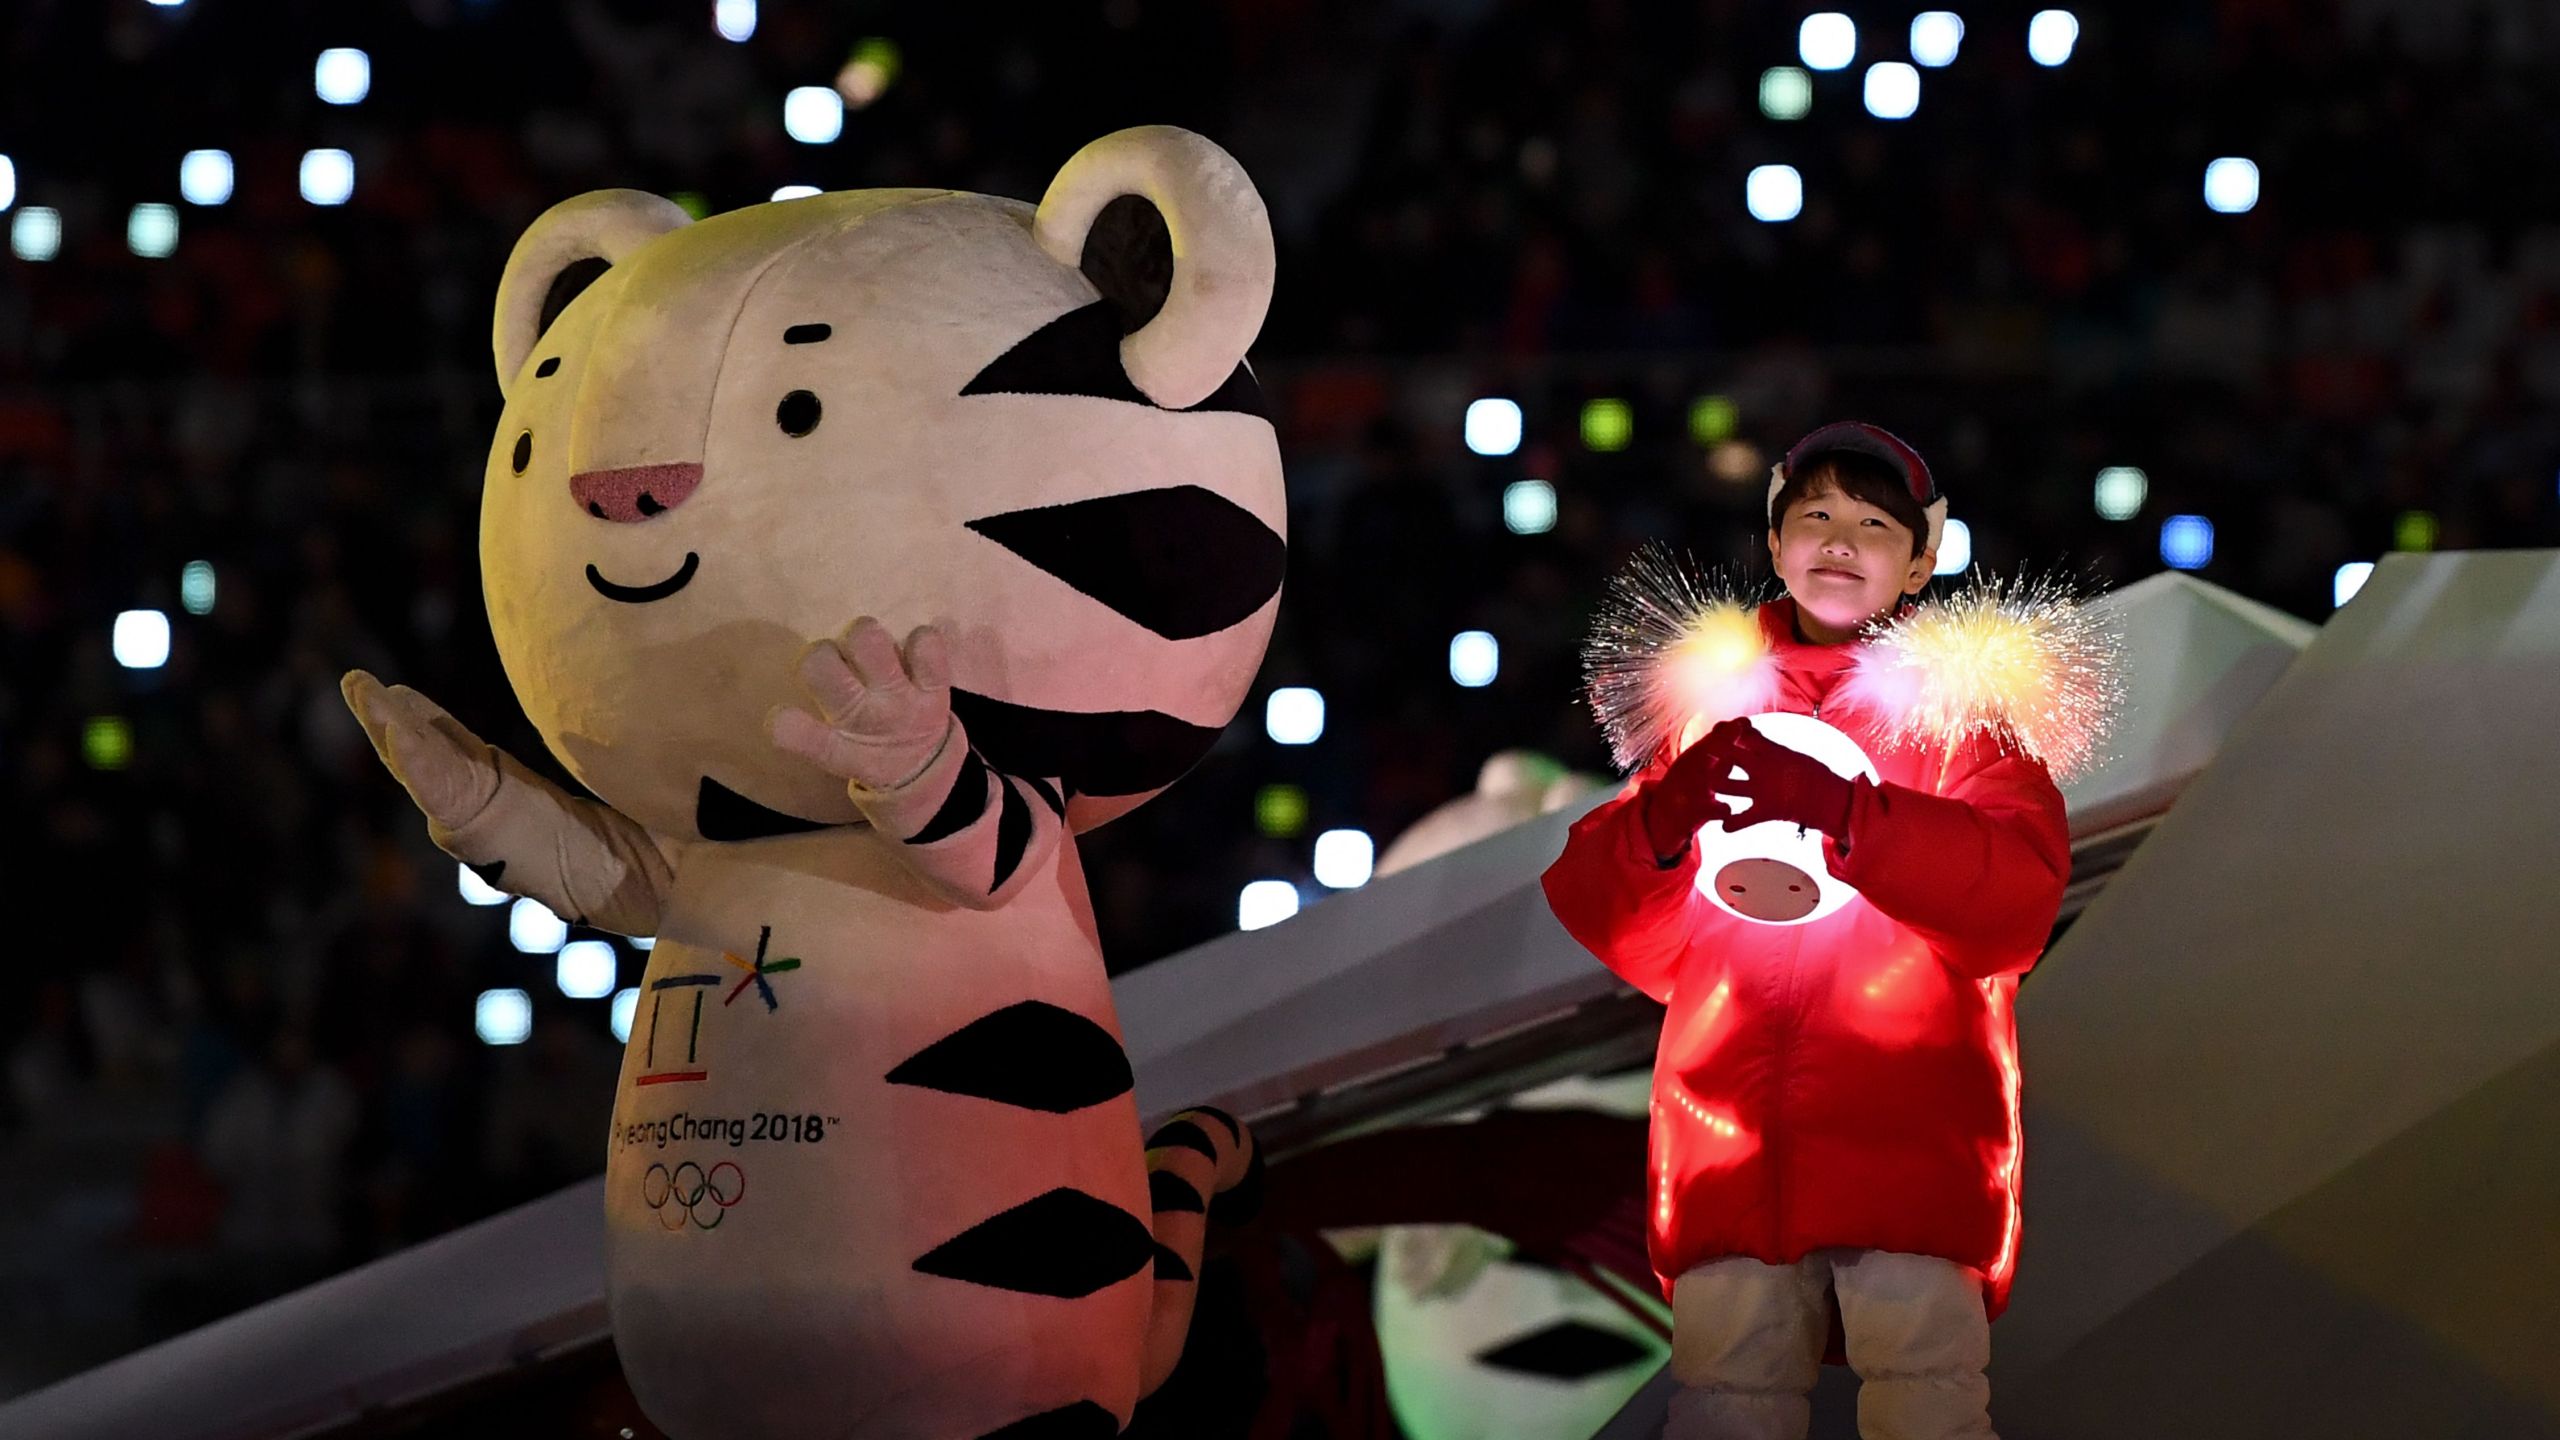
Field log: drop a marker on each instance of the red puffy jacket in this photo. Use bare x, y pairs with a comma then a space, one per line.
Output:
1852, 1081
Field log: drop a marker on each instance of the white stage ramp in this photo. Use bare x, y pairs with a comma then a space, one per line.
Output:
2293, 1079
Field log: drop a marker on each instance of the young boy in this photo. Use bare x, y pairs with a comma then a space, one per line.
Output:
1835, 1101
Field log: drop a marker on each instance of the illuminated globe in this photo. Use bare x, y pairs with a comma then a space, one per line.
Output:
1772, 872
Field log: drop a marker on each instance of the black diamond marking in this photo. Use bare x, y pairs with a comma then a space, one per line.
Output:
1181, 560
1187, 1136
720, 813
1168, 1191
806, 334
960, 808
1065, 1243
1083, 1420
1033, 1055
547, 368
1013, 833
490, 872
1079, 354
1566, 1350
1109, 752
1169, 1266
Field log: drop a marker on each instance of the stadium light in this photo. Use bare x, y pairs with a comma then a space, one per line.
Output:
1936, 35
2231, 185
205, 177
476, 891
626, 1004
502, 1017
735, 20
342, 76
533, 929
1294, 715
1607, 425
2051, 35
142, 640
2121, 491
1493, 426
328, 176
8, 182
1345, 858
151, 231
195, 587
2349, 579
1827, 41
1955, 549
1893, 90
2186, 542
813, 115
1786, 93
1528, 507
1475, 658
35, 233
584, 969
1265, 902
1775, 193
795, 192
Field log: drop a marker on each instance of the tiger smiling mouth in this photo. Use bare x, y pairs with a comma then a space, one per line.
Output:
643, 594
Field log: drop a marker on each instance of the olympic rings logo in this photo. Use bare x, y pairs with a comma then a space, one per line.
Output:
689, 1192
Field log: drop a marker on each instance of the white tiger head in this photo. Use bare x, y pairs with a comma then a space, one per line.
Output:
1032, 427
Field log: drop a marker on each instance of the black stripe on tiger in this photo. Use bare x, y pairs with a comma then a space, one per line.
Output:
1235, 1131
1169, 1266
1078, 353
1185, 1134
961, 808
1083, 1420
1182, 561
1064, 1243
1168, 1191
1048, 794
1013, 832
1031, 1054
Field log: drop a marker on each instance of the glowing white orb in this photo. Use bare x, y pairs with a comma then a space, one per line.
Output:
1772, 873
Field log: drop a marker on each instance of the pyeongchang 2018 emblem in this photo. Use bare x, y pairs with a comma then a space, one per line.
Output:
689, 1194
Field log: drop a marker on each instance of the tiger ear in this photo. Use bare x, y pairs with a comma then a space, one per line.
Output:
560, 255
1221, 242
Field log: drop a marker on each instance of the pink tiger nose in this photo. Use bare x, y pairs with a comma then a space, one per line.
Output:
635, 492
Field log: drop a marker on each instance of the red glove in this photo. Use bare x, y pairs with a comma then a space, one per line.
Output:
1780, 783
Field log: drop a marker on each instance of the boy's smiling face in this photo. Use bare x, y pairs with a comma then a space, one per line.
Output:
1844, 561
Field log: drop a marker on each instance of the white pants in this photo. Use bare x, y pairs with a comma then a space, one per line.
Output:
1747, 1340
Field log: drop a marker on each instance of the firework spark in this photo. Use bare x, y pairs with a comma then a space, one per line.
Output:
1670, 646
2025, 662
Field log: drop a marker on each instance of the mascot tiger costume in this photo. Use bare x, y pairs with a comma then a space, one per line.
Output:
858, 551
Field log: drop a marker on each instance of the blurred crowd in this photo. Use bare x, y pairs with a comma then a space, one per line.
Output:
241, 1048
